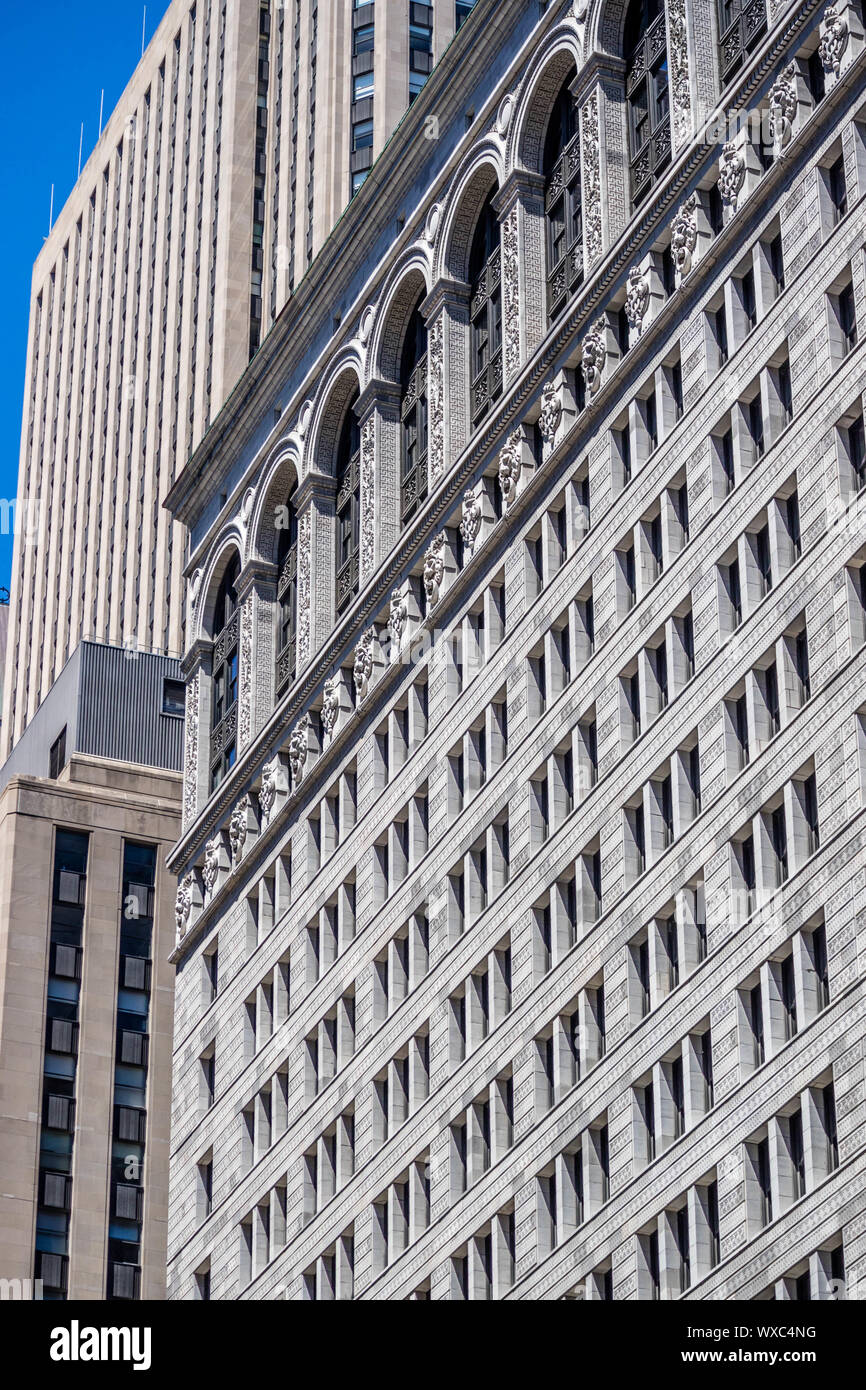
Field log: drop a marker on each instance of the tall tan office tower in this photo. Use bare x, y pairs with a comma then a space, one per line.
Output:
240, 138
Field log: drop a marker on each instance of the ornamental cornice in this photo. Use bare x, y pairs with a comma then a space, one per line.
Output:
808, 889
520, 183
377, 392
566, 332
446, 291
749, 645
314, 484
599, 68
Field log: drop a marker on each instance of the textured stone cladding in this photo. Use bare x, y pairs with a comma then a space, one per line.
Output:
427, 1026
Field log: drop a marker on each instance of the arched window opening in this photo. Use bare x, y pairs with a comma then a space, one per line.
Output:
224, 723
485, 281
742, 24
287, 597
348, 507
646, 86
563, 203
413, 417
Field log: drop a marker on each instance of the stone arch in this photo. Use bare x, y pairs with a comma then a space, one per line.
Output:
279, 477
406, 286
482, 171
344, 380
229, 544
550, 68
605, 26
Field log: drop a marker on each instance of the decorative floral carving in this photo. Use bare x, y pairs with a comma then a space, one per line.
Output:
511, 292
368, 506
298, 745
190, 761
435, 387
211, 863
551, 412
732, 175
397, 616
834, 40
684, 236
305, 527
593, 354
590, 141
245, 698
783, 107
509, 467
470, 524
183, 905
330, 705
194, 586
362, 668
268, 790
678, 56
636, 299
434, 569
238, 829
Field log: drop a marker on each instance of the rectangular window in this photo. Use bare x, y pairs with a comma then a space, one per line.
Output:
173, 697
57, 755
764, 1182
837, 189
756, 1024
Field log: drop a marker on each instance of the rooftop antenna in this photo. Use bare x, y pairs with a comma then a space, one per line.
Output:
51, 211
101, 99
143, 19
80, 147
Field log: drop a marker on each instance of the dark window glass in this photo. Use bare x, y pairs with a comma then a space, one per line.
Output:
485, 309
646, 85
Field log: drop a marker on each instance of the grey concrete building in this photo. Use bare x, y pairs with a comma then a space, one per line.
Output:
89, 806
520, 933
236, 145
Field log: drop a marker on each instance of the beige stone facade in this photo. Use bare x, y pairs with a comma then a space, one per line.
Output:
112, 804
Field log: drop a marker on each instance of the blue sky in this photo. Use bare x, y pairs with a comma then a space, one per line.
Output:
56, 57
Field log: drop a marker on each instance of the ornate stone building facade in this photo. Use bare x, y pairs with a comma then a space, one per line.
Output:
520, 940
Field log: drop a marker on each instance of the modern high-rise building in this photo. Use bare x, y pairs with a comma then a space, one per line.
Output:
235, 147
89, 807
521, 946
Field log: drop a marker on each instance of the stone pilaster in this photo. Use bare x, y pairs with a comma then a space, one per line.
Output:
256, 589
378, 411
603, 156
197, 668
446, 313
520, 207
315, 503
678, 70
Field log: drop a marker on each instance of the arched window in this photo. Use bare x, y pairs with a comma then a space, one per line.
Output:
646, 84
563, 202
224, 723
287, 597
413, 417
485, 280
348, 507
742, 23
